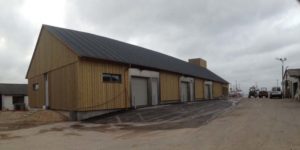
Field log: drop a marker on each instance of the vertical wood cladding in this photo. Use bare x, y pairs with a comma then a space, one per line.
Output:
94, 94
217, 90
76, 84
169, 87
199, 89
50, 54
63, 88
225, 90
53, 57
36, 97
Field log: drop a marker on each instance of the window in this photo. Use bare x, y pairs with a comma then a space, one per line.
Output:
115, 78
35, 86
106, 77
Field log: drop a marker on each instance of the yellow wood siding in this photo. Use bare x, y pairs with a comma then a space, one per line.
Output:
50, 54
225, 90
199, 89
63, 88
36, 98
94, 94
53, 57
217, 90
169, 87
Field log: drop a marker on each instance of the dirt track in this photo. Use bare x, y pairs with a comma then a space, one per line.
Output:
252, 125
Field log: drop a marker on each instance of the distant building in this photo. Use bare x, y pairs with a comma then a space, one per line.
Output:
13, 97
291, 83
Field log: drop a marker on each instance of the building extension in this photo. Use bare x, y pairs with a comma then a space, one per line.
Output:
81, 72
291, 88
13, 97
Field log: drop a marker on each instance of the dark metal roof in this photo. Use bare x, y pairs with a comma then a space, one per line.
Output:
98, 47
294, 72
13, 89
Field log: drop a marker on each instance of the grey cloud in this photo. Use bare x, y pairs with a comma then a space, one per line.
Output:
19, 37
239, 39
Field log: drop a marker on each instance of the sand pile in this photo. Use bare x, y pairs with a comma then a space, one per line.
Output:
45, 116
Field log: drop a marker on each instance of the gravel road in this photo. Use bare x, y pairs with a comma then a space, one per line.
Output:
251, 125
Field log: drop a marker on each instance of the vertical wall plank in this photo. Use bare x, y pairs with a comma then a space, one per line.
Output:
50, 55
96, 94
169, 87
199, 89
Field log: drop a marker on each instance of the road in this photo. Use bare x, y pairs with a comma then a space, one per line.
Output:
251, 125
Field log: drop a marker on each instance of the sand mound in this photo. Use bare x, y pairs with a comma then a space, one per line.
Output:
46, 116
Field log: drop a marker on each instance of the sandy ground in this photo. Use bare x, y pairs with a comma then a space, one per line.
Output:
14, 120
251, 125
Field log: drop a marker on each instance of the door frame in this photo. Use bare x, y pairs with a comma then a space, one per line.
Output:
188, 91
46, 80
148, 74
151, 80
191, 87
210, 90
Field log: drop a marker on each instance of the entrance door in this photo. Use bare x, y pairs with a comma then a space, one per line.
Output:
139, 91
295, 87
18, 102
154, 91
0, 102
185, 91
207, 91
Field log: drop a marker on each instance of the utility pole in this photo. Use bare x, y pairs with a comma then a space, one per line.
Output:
236, 87
282, 67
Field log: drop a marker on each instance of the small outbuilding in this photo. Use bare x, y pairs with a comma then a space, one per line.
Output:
13, 97
81, 72
291, 82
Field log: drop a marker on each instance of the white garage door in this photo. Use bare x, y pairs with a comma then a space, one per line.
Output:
139, 92
184, 91
207, 91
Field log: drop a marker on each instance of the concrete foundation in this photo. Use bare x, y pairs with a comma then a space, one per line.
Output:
81, 115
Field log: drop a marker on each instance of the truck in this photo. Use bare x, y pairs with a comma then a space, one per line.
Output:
252, 92
263, 93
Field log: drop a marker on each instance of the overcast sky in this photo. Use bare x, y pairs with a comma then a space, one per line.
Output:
240, 39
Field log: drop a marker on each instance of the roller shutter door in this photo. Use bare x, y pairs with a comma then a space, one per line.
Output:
139, 88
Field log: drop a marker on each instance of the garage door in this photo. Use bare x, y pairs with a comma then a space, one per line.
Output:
184, 91
139, 92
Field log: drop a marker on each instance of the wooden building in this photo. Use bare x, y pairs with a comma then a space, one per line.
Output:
291, 86
82, 72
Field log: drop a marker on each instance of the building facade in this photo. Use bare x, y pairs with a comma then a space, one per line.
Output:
81, 72
291, 83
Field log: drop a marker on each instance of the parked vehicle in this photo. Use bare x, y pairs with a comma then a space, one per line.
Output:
252, 92
263, 93
276, 92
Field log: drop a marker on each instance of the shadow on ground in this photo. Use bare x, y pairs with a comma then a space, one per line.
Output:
164, 117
